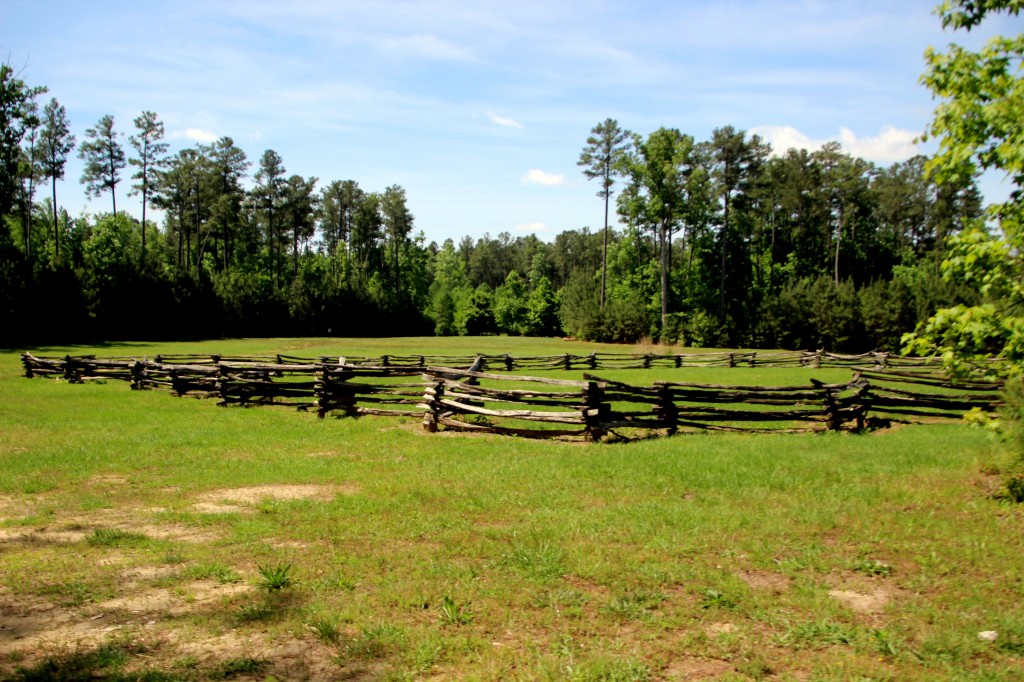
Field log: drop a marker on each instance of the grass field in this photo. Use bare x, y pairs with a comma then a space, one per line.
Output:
145, 537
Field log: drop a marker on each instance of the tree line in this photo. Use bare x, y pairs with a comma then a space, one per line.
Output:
723, 243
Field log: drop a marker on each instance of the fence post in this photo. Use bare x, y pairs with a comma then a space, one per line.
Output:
432, 395
829, 408
593, 399
666, 409
320, 390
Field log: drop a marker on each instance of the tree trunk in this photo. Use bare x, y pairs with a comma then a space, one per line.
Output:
664, 279
28, 218
604, 251
725, 240
56, 228
144, 194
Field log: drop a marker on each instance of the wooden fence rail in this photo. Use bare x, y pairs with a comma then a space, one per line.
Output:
84, 364
499, 402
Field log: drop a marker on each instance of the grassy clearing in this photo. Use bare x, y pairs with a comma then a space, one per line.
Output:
148, 537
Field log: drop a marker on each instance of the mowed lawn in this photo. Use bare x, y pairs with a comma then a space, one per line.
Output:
149, 537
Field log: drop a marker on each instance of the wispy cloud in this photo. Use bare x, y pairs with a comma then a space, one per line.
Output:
424, 45
503, 120
890, 145
530, 227
535, 176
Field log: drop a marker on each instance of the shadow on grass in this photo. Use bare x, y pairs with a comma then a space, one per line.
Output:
107, 661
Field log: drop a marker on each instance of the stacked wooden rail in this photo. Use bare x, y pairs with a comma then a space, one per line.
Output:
595, 407
564, 361
499, 402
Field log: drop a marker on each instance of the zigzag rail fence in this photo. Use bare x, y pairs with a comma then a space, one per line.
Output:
883, 388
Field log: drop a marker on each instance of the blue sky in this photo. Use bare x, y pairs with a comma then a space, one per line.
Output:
479, 109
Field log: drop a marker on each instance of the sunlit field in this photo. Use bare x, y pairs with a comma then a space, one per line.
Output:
149, 537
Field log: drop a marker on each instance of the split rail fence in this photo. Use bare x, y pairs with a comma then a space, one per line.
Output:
883, 388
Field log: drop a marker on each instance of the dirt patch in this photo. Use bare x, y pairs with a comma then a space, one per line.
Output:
109, 479
32, 627
291, 659
765, 580
143, 573
716, 629
78, 528
872, 602
11, 507
172, 602
256, 494
216, 508
41, 536
175, 532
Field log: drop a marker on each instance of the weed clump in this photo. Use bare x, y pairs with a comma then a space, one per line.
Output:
275, 578
454, 613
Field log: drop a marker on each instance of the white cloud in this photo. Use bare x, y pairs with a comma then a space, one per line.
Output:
197, 135
530, 227
503, 120
538, 177
890, 145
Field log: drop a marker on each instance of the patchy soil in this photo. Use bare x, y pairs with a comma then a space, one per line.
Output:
153, 601
256, 494
765, 580
872, 602
32, 629
11, 507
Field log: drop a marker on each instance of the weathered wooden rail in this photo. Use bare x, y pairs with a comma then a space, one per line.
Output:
500, 402
509, 363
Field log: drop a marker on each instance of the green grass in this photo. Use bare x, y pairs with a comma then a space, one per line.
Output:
480, 557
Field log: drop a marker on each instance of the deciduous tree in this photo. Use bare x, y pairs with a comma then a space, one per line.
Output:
978, 126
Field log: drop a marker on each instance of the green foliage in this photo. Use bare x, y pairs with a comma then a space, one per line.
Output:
817, 635
114, 537
536, 556
233, 667
104, 159
875, 567
725, 244
375, 641
103, 662
454, 613
275, 577
977, 125
712, 599
213, 571
634, 603
511, 306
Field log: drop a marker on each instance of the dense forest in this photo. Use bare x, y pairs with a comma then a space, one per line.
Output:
725, 242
